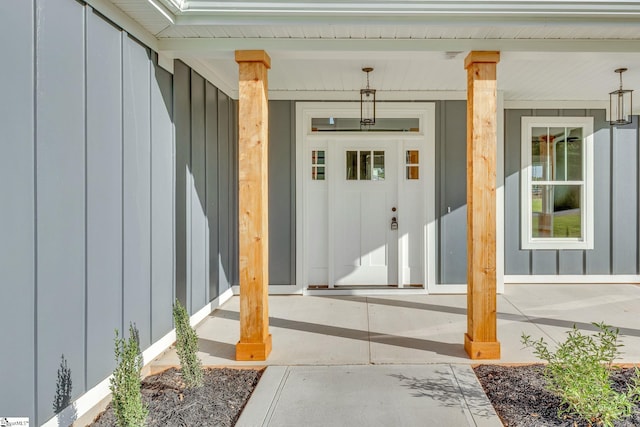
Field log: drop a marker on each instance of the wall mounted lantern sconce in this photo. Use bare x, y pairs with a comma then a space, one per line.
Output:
620, 103
367, 102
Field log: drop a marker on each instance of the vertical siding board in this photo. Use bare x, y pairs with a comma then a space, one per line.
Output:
571, 262
624, 216
280, 197
224, 194
544, 262
162, 256
18, 209
292, 167
235, 190
440, 207
598, 260
182, 121
104, 195
516, 260
211, 151
198, 196
454, 219
137, 190
60, 198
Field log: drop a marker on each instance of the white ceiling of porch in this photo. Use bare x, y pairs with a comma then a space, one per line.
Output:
549, 50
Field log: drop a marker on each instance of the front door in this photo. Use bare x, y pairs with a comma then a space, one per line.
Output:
365, 199
365, 217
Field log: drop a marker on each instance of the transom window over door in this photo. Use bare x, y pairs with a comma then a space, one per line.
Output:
557, 186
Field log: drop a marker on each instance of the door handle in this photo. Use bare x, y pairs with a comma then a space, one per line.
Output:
394, 223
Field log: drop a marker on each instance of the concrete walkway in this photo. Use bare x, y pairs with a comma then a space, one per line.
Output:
399, 360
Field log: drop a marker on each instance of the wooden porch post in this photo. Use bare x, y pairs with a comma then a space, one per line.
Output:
480, 341
253, 142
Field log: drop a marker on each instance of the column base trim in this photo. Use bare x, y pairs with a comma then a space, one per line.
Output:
481, 350
249, 351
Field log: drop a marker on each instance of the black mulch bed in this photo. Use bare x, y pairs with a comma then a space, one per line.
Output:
518, 395
218, 402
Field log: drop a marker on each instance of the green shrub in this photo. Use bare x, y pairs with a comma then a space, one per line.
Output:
187, 346
126, 383
578, 372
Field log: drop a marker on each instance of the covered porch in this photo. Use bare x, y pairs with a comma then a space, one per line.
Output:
417, 329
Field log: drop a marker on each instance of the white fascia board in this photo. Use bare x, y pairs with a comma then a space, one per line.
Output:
190, 46
542, 8
162, 9
127, 23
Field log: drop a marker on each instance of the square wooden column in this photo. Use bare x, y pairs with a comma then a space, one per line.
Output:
480, 341
253, 144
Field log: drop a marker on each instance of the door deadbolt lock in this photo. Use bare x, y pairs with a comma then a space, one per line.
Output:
394, 223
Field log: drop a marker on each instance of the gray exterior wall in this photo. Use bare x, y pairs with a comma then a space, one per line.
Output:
451, 192
616, 212
87, 189
206, 190
282, 193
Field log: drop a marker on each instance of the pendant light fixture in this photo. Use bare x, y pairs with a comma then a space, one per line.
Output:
367, 102
620, 103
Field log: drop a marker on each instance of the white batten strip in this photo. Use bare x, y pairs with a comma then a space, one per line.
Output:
85, 403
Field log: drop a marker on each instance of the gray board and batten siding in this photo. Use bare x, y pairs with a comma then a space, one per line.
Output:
87, 194
89, 223
616, 209
206, 189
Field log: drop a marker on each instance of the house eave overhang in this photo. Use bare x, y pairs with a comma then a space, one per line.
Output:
206, 12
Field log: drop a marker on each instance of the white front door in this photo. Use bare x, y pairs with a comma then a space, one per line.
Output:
365, 231
365, 200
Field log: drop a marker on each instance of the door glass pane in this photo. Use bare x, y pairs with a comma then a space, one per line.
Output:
413, 160
413, 157
317, 157
352, 165
365, 165
413, 172
556, 211
317, 173
378, 166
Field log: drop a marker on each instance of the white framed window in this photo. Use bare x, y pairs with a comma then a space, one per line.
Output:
557, 183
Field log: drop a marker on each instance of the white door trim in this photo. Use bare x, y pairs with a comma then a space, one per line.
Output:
425, 111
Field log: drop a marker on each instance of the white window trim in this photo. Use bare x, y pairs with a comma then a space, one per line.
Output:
527, 241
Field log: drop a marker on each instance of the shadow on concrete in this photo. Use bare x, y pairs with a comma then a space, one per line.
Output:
219, 349
566, 324
445, 349
444, 388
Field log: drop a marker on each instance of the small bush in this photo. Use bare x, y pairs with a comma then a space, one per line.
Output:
578, 372
125, 383
187, 346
